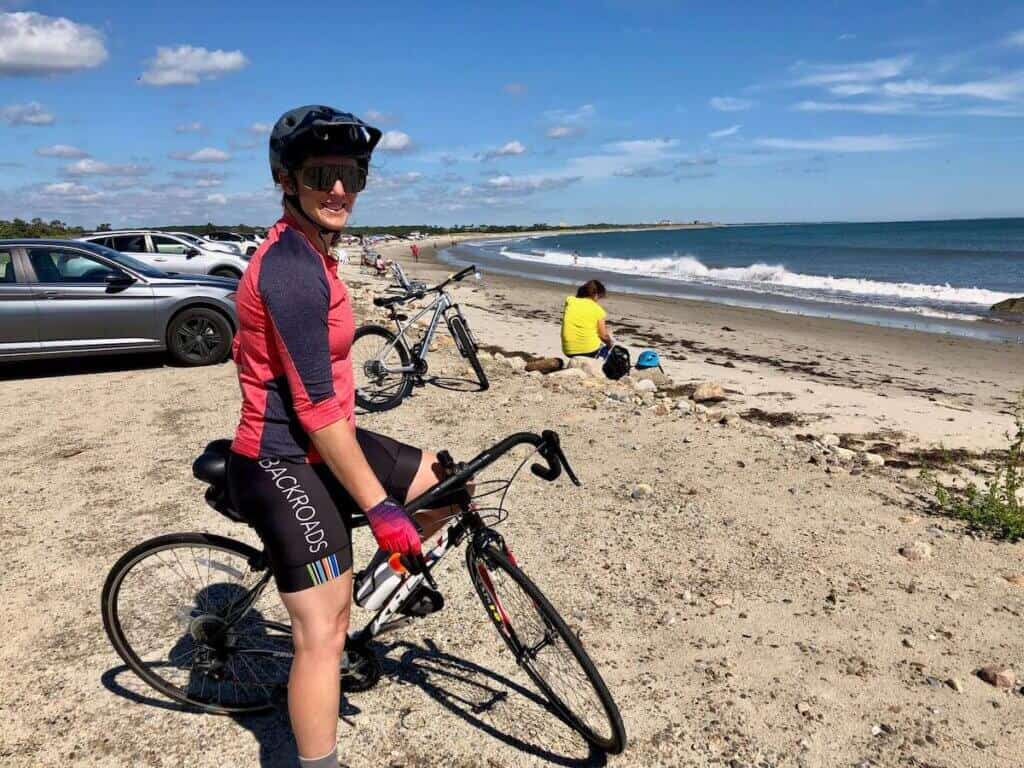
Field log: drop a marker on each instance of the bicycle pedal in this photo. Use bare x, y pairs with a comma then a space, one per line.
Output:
423, 602
394, 624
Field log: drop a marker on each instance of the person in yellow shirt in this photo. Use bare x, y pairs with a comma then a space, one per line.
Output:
583, 326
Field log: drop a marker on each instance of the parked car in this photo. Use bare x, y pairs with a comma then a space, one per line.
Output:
247, 245
61, 298
200, 242
171, 253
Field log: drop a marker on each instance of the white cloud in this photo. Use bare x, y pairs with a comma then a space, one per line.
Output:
90, 167
187, 65
732, 130
568, 122
506, 150
857, 72
1017, 38
69, 190
562, 131
32, 113
34, 44
527, 185
206, 183
395, 141
376, 116
730, 104
217, 199
261, 129
205, 155
643, 146
876, 143
865, 107
61, 150
195, 127
847, 36
642, 172
515, 89
998, 89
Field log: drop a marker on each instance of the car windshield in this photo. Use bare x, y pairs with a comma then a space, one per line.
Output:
133, 264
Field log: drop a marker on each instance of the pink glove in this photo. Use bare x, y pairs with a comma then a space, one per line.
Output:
394, 529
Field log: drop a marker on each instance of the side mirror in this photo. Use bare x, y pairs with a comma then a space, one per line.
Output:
191, 252
119, 279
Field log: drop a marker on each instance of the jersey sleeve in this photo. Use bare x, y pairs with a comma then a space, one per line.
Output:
295, 293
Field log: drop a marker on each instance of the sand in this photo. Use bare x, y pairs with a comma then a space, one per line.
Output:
752, 610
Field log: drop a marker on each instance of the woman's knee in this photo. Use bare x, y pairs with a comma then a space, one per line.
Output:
324, 635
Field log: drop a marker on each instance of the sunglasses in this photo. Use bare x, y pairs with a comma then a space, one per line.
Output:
322, 178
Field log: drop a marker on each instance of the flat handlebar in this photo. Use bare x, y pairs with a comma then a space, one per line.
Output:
387, 301
547, 444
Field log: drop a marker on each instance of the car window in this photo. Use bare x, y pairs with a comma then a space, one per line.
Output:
129, 243
164, 244
7, 268
147, 270
59, 265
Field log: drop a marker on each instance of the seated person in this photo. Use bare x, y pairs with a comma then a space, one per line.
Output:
583, 326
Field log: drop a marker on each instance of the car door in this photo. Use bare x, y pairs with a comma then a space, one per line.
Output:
18, 312
172, 254
79, 309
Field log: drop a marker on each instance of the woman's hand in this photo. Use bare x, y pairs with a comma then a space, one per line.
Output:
394, 529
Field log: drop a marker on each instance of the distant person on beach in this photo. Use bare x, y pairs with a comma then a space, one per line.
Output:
584, 332
575, 258
415, 252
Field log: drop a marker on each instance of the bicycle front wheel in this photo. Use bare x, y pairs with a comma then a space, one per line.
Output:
375, 352
546, 649
196, 617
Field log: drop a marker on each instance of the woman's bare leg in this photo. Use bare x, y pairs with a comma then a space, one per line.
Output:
320, 618
428, 475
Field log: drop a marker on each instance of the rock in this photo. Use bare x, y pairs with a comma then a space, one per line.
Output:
708, 392
641, 491
918, 550
571, 373
998, 675
591, 366
517, 364
803, 708
844, 454
1009, 307
1016, 579
661, 409
722, 601
829, 440
727, 419
645, 385
684, 405
873, 459
955, 684
546, 364
909, 519
652, 374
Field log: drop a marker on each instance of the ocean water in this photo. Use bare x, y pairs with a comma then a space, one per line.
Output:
917, 274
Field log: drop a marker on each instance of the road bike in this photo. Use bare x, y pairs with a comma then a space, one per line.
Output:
195, 615
387, 366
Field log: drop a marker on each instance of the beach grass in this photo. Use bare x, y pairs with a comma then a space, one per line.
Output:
996, 508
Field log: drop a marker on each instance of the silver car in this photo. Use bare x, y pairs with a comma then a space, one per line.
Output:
171, 253
62, 298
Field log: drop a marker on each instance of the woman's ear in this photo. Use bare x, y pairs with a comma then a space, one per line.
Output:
287, 182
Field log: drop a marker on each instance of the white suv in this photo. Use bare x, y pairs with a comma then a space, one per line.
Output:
171, 253
246, 244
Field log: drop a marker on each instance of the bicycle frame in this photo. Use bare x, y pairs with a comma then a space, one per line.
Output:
440, 307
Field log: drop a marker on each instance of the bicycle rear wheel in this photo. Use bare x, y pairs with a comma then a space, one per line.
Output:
196, 617
547, 650
375, 349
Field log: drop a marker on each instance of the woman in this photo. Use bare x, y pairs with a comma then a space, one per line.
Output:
583, 326
299, 466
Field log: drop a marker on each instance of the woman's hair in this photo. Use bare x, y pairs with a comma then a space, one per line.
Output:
592, 289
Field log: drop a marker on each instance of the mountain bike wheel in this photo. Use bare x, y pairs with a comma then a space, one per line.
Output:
467, 347
374, 348
546, 649
194, 616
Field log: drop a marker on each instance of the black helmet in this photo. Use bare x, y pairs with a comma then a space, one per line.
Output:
318, 130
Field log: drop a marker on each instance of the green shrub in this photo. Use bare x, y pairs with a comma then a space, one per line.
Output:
994, 508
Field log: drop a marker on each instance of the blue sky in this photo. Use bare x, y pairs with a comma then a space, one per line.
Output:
132, 113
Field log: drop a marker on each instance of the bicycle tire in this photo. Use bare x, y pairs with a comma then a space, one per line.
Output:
398, 389
112, 612
467, 347
613, 741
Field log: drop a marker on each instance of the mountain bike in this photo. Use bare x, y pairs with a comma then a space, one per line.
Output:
195, 615
386, 366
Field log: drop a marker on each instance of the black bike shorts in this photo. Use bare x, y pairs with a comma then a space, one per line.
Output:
304, 515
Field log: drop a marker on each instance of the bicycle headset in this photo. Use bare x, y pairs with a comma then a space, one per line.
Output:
314, 131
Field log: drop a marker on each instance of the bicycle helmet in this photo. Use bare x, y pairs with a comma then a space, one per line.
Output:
312, 131
648, 359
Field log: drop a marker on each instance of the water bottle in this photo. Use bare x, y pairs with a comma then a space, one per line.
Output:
378, 582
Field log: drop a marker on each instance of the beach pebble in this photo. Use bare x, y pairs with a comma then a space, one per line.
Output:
684, 405
517, 364
955, 684
653, 374
645, 385
1016, 579
844, 454
917, 550
641, 491
873, 459
998, 675
571, 373
588, 365
830, 440
708, 392
662, 409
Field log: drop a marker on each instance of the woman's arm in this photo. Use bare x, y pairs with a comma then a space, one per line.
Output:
336, 443
604, 333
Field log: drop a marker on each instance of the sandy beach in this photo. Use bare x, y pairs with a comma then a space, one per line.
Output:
738, 582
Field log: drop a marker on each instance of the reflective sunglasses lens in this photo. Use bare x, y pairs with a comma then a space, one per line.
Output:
323, 177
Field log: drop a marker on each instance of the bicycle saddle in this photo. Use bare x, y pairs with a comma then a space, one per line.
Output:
211, 466
387, 301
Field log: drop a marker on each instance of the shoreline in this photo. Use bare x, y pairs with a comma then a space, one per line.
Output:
913, 389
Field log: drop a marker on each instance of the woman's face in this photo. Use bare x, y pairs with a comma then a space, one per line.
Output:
330, 208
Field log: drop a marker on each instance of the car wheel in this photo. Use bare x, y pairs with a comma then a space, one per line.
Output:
199, 336
226, 272
250, 250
